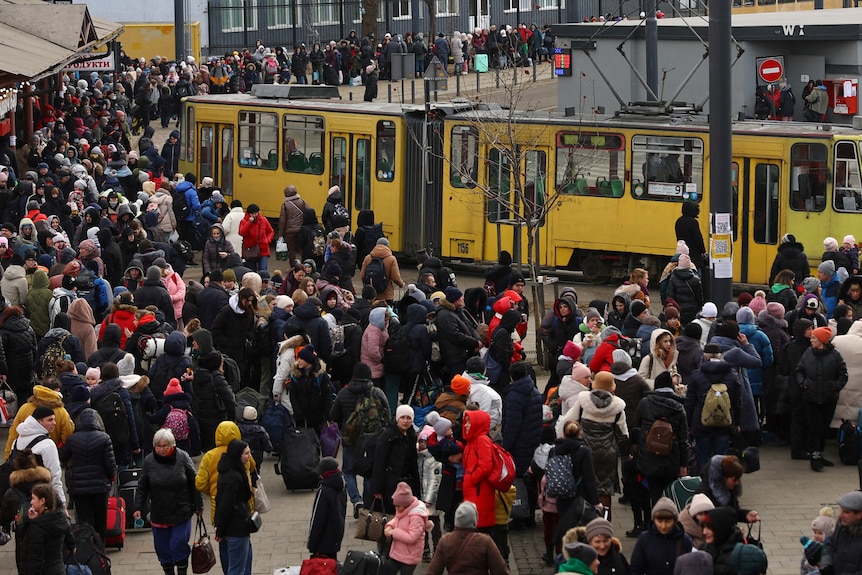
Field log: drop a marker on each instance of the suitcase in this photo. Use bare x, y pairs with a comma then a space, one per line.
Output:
127, 479
362, 563
115, 536
480, 63
682, 490
299, 459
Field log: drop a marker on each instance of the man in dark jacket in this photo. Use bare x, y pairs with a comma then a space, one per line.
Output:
112, 257
290, 220
791, 256
458, 340
109, 348
688, 230
522, 417
212, 299
307, 319
822, 374
154, 292
662, 404
327, 514
842, 551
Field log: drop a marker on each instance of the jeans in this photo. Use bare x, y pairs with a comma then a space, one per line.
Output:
705, 446
262, 263
235, 555
348, 461
172, 543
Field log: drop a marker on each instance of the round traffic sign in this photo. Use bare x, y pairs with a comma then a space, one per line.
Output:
770, 70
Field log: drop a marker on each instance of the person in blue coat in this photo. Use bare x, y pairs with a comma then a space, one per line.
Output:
187, 188
745, 317
327, 514
211, 208
522, 417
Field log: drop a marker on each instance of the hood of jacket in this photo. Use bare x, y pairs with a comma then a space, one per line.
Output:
309, 217
657, 333
502, 305
571, 302
716, 483
600, 399
306, 311
360, 386
31, 426
104, 234
175, 343
47, 397
226, 432
220, 228
41, 280
111, 337
30, 475
13, 273
509, 321
690, 209
480, 424
335, 197
184, 186
135, 264
81, 311
416, 314
89, 420
377, 317
381, 251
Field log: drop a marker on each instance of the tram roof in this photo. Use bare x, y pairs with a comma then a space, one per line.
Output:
331, 105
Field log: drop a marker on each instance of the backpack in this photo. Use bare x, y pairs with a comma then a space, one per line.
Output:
89, 550
370, 236
180, 206
503, 470
716, 407
318, 242
396, 352
560, 479
115, 418
659, 439
336, 334
59, 303
340, 210
185, 250
9, 465
849, 443
270, 67
178, 422
369, 416
375, 275
53, 352
184, 90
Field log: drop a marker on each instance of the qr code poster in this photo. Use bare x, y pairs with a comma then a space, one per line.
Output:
722, 224
721, 245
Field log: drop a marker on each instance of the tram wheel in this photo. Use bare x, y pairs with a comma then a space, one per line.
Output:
595, 271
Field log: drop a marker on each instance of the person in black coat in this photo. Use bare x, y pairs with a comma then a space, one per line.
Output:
88, 457
522, 417
232, 327
790, 256
661, 470
327, 514
420, 344
212, 299
659, 546
721, 534
232, 507
112, 257
109, 348
19, 349
687, 229
395, 459
306, 319
502, 347
171, 364
167, 482
370, 83
458, 339
213, 399
572, 444
41, 539
500, 274
685, 287
154, 292
310, 229
176, 397
128, 443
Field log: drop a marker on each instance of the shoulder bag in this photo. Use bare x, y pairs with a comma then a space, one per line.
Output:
203, 555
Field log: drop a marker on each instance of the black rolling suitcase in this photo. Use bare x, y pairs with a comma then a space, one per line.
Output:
127, 480
299, 459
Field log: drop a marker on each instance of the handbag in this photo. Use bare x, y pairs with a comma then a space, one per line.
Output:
751, 539
203, 556
8, 405
252, 252
281, 252
261, 499
254, 522
318, 565
330, 440
370, 523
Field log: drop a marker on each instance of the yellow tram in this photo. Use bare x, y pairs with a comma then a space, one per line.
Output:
616, 184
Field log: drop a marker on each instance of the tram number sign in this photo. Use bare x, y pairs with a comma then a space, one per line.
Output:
770, 70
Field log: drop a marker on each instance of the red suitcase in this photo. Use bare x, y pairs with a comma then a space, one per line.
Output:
115, 535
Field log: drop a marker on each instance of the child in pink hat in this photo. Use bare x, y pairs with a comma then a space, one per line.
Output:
407, 531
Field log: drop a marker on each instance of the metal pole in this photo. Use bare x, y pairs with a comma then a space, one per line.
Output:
413, 92
478, 76
651, 49
389, 93
534, 71
458, 85
721, 288
179, 31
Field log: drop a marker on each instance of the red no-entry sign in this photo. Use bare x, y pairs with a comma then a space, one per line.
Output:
770, 70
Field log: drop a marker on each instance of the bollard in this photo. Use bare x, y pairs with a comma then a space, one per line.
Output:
413, 91
402, 91
497, 76
535, 79
350, 96
478, 75
389, 92
458, 85
515, 74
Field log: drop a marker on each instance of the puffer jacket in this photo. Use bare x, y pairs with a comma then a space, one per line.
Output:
697, 388
742, 358
124, 316
390, 264
822, 374
165, 204
291, 216
522, 421
206, 480
83, 325
19, 347
348, 397
88, 456
42, 397
205, 405
763, 347
172, 363
419, 338
306, 317
791, 256
408, 533
169, 483
458, 340
38, 300
210, 258
395, 460
231, 327
582, 466
655, 405
13, 284
41, 543
310, 392
109, 349
258, 232
232, 494
562, 329
121, 451
327, 516
602, 418
211, 300
374, 339
685, 287
478, 463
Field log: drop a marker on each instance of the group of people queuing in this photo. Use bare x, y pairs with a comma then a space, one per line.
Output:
777, 102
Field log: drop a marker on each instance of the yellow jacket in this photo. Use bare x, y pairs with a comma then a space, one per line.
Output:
43, 397
206, 480
503, 505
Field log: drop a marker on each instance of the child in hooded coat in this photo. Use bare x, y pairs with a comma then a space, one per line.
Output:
407, 530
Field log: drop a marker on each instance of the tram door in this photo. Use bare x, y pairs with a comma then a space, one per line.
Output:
350, 169
216, 155
756, 186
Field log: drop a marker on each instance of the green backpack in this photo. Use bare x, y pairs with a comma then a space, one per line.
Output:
370, 416
716, 407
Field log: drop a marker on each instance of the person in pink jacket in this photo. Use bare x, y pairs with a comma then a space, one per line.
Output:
407, 530
176, 289
374, 340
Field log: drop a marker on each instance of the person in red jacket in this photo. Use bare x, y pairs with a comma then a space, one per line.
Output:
603, 358
478, 462
257, 233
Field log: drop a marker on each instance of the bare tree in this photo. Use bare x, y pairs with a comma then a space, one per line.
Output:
369, 17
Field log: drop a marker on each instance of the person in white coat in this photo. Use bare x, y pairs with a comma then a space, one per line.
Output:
230, 223
483, 395
849, 346
42, 422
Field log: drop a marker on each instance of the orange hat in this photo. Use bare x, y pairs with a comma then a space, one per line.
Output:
824, 334
460, 385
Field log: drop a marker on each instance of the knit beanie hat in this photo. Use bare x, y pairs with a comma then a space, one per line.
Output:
585, 553
327, 464
824, 522
693, 330
637, 308
604, 380
685, 261
466, 515
775, 309
174, 387
403, 496
682, 247
745, 315
850, 239
744, 299
126, 366
249, 413
749, 559
361, 371
79, 394
827, 268
402, 411
665, 504
599, 526
824, 334
811, 284
572, 350
425, 433
453, 294
42, 412
757, 304
670, 312
830, 244
580, 371
699, 504
442, 427
93, 372
460, 385
307, 353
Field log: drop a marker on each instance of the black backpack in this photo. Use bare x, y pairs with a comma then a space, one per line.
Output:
115, 418
370, 236
375, 275
89, 550
9, 465
396, 352
180, 205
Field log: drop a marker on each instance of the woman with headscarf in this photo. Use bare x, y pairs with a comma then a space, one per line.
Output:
233, 326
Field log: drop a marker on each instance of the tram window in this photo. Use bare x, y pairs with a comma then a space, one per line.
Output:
590, 164
667, 168
848, 187
385, 151
765, 224
535, 181
207, 151
808, 175
362, 192
258, 140
303, 144
226, 180
338, 164
499, 185
187, 148
465, 157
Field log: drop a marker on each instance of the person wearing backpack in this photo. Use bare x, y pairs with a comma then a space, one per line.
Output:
114, 405
213, 400
36, 432
334, 207
290, 221
367, 234
185, 205
711, 409
173, 363
343, 407
88, 457
664, 406
392, 274
26, 474
175, 414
